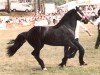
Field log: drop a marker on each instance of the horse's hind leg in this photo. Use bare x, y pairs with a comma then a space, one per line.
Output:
36, 54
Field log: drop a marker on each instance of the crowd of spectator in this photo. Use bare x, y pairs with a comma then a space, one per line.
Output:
90, 10
40, 19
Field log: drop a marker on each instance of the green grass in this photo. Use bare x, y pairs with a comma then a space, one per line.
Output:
23, 63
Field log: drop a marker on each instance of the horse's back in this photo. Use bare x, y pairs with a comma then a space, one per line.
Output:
37, 33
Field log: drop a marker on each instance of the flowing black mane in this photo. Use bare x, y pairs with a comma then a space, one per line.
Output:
66, 17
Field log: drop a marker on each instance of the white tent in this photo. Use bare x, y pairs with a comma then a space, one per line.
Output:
94, 1
69, 5
72, 5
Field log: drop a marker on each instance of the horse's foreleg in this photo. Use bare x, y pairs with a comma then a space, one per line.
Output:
65, 58
66, 53
72, 51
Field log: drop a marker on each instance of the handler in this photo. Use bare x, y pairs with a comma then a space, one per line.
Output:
97, 22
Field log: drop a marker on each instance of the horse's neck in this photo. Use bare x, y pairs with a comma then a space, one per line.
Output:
68, 21
72, 24
64, 19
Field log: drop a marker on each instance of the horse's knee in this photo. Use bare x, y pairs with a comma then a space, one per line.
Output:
81, 52
72, 55
72, 52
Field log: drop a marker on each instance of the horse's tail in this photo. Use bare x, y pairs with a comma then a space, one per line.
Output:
11, 41
18, 42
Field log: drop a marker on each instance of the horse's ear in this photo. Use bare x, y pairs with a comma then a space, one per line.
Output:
77, 8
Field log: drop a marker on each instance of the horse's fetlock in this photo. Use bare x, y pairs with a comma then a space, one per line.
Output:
33, 53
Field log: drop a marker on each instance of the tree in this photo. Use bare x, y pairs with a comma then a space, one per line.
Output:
7, 9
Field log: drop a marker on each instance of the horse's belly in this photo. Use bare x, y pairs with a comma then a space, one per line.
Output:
54, 42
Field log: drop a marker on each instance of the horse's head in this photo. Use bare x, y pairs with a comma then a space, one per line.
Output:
71, 17
81, 16
99, 12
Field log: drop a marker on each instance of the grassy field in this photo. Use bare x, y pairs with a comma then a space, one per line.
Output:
23, 63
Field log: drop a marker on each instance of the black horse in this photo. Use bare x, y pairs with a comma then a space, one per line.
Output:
62, 34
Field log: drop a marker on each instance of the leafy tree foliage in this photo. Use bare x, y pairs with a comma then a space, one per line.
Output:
57, 2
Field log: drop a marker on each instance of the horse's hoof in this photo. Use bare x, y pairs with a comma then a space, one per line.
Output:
61, 65
45, 69
83, 64
64, 64
96, 47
